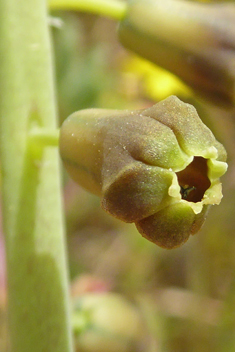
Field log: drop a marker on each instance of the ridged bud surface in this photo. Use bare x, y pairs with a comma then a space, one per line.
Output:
158, 167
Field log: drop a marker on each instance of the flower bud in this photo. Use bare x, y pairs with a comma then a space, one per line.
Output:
158, 167
195, 41
106, 323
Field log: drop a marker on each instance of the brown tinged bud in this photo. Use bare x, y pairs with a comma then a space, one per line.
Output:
158, 167
195, 41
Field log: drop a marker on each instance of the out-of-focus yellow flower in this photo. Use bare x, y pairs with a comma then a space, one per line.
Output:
195, 41
156, 82
158, 167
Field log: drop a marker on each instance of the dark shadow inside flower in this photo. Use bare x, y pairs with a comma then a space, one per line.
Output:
193, 180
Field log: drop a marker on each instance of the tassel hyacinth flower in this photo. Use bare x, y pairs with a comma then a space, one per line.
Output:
158, 167
195, 41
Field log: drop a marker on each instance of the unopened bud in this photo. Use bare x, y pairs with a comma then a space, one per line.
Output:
107, 323
158, 167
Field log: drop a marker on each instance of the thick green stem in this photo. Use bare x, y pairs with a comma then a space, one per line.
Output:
33, 220
111, 8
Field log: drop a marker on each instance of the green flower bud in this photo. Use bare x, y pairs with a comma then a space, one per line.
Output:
195, 41
106, 323
158, 167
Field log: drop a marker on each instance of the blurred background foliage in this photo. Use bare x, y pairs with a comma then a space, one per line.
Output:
186, 296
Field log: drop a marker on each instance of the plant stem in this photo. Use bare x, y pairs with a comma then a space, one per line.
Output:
43, 137
38, 304
110, 8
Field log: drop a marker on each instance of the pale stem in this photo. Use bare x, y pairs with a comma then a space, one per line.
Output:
38, 304
111, 8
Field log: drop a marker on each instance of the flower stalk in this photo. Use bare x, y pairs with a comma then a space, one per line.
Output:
114, 9
38, 304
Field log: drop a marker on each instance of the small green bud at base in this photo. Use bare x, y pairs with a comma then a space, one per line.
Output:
158, 167
107, 322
